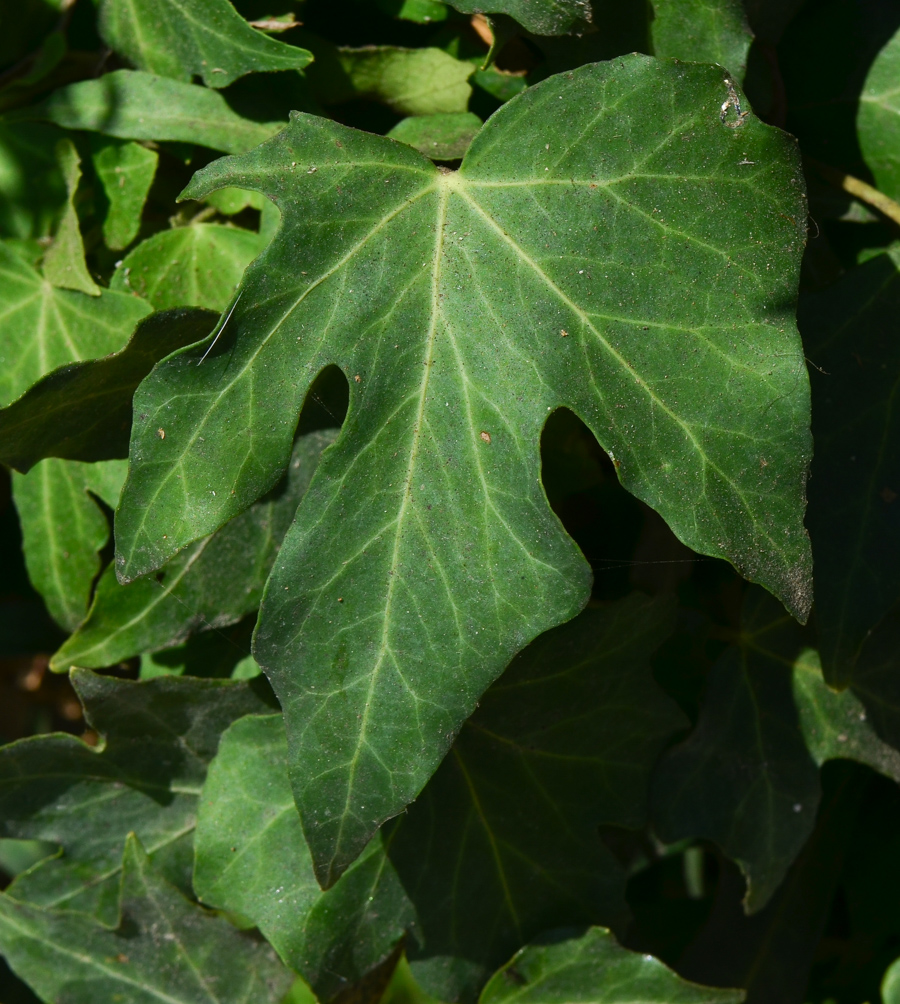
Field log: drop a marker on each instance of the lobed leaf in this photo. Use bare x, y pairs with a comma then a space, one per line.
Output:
211, 584
82, 410
466, 306
146, 777
181, 40
163, 948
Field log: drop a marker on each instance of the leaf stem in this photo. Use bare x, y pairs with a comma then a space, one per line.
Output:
858, 189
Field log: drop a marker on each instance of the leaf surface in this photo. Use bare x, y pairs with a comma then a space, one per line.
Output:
32, 189
131, 104
543, 17
126, 171
410, 81
182, 39
558, 267
593, 969
211, 584
82, 410
44, 327
747, 777
64, 263
878, 118
196, 266
63, 530
159, 738
704, 31
440, 137
164, 948
854, 514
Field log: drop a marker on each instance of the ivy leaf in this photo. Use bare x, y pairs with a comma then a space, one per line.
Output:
557, 267
211, 584
159, 738
485, 857
878, 119
164, 948
208, 39
131, 104
747, 778
854, 513
706, 31
63, 530
126, 171
543, 17
440, 137
593, 969
255, 862
44, 327
197, 265
82, 410
64, 263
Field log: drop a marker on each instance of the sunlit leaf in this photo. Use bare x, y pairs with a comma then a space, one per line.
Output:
126, 172
64, 263
707, 31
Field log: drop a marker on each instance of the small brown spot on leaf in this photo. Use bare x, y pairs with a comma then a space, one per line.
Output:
564, 333
486, 436
161, 433
357, 378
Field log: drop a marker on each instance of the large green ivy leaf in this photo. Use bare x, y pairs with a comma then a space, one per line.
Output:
854, 516
126, 171
164, 948
251, 858
561, 265
197, 265
543, 17
705, 31
205, 38
44, 327
747, 777
593, 969
64, 263
131, 104
501, 844
211, 584
82, 410
63, 530
159, 738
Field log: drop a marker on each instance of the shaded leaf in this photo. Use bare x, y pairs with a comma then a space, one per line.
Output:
543, 17
205, 38
252, 859
591, 968
126, 171
211, 584
44, 328
747, 776
410, 81
64, 263
488, 298
82, 410
32, 189
704, 31
197, 265
131, 104
440, 137
63, 530
163, 948
160, 736
849, 331
230, 201
890, 986
420, 11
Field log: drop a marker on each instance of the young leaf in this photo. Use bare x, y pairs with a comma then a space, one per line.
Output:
63, 530
704, 31
593, 969
558, 266
543, 17
747, 776
440, 137
44, 327
854, 514
82, 410
64, 263
160, 736
196, 266
213, 583
207, 38
486, 855
251, 858
126, 171
164, 948
131, 104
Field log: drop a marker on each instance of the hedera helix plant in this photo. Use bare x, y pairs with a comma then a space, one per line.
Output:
468, 580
